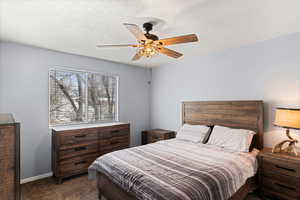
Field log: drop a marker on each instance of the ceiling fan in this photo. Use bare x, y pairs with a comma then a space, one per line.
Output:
149, 44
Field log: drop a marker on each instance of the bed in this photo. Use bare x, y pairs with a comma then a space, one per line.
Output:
172, 169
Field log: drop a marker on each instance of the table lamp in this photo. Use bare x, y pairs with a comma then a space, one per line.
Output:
287, 118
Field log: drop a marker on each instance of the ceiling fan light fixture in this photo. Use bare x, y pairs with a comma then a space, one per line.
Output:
150, 44
148, 50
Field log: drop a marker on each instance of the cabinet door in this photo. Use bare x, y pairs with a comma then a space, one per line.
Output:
7, 163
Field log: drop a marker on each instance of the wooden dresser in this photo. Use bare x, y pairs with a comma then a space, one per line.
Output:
279, 175
155, 135
75, 148
9, 158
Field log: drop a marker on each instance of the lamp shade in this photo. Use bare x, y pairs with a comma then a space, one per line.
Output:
288, 118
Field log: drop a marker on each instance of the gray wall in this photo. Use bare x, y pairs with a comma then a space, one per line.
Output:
268, 71
24, 92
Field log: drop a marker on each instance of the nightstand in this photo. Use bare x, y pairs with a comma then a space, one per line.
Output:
279, 175
155, 135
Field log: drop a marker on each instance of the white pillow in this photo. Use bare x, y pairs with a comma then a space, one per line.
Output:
233, 139
193, 133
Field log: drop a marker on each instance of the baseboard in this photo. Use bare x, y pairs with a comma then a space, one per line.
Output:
34, 178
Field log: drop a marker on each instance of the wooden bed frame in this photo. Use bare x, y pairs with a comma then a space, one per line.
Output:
234, 114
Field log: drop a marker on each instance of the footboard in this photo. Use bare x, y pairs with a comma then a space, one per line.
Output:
111, 191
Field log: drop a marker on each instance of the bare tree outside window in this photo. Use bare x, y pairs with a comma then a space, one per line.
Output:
81, 97
101, 97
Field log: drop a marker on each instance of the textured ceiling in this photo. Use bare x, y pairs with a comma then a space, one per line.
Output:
77, 26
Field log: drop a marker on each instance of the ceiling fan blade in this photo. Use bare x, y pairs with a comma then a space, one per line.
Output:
179, 39
117, 45
170, 52
136, 56
136, 31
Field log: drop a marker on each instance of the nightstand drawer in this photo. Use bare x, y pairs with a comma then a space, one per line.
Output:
289, 180
280, 167
154, 138
280, 188
155, 135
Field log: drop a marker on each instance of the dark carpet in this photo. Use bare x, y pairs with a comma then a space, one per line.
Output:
75, 188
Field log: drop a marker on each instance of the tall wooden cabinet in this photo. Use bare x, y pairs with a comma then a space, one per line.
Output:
9, 158
75, 148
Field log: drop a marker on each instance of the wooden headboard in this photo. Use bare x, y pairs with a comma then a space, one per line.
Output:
233, 114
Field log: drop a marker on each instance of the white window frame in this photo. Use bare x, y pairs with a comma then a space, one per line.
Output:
86, 96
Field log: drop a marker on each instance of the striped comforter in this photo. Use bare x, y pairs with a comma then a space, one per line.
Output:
177, 170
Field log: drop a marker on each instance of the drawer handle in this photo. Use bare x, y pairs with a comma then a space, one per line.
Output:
155, 137
286, 187
114, 142
284, 168
115, 131
80, 162
79, 148
80, 136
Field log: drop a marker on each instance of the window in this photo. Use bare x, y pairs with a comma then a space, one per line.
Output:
82, 97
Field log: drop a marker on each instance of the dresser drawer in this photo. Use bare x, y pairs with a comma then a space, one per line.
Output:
119, 139
120, 147
122, 138
77, 136
155, 137
119, 142
80, 163
120, 127
285, 188
105, 151
280, 167
77, 151
119, 130
104, 133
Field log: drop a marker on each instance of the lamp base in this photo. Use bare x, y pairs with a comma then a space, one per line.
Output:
290, 149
